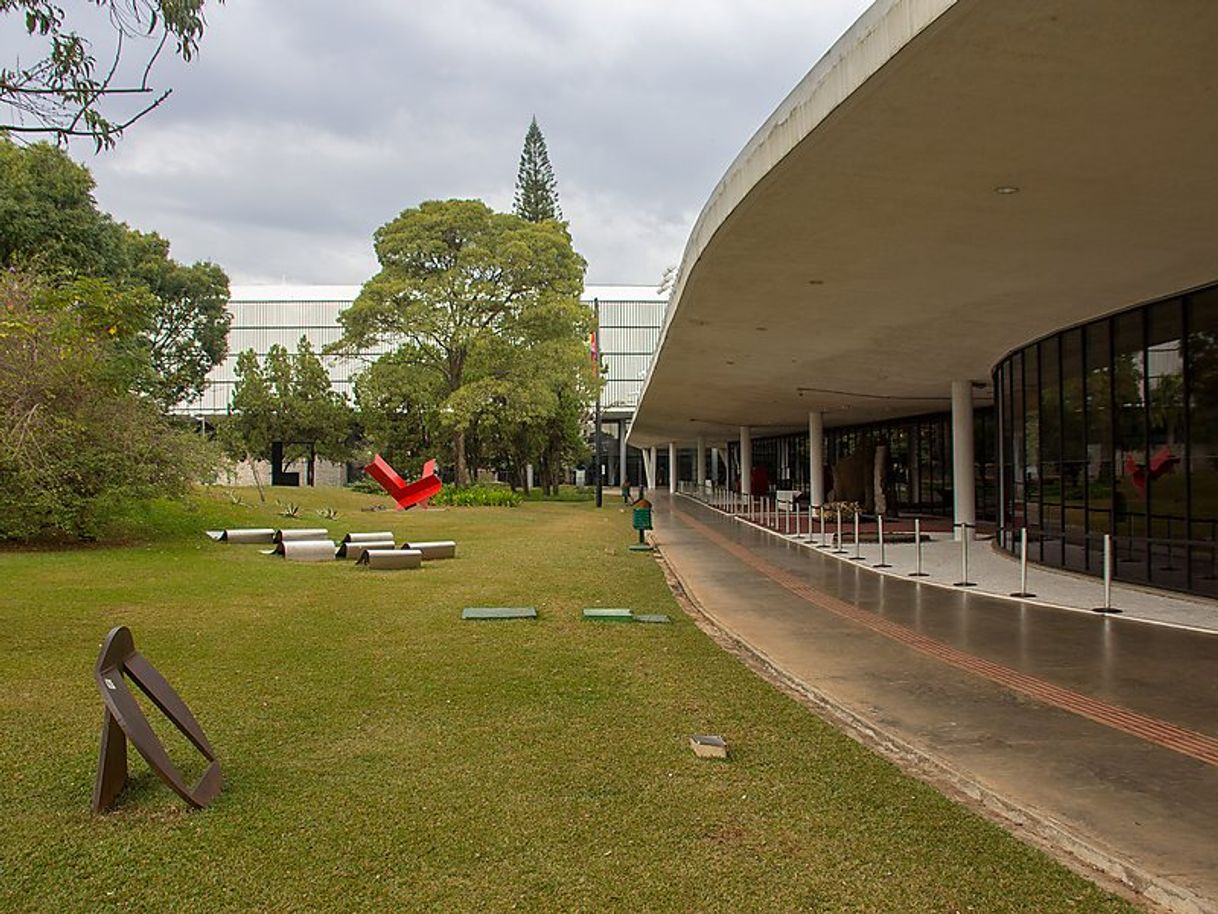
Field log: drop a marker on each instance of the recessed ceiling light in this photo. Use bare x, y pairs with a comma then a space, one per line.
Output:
1006, 189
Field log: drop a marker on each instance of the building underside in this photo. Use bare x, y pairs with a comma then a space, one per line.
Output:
973, 250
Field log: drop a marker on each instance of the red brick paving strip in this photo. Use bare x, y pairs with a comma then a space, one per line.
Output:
1160, 733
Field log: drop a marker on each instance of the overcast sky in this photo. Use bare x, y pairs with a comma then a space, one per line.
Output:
303, 125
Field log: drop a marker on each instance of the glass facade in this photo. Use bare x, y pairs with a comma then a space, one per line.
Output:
1112, 428
919, 460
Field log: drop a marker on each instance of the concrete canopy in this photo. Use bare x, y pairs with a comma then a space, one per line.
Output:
952, 180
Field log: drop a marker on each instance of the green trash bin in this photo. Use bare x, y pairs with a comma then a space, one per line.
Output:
642, 518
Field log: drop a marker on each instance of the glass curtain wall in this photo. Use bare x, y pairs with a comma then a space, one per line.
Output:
1112, 428
919, 460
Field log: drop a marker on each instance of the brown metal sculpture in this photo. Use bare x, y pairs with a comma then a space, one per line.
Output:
124, 720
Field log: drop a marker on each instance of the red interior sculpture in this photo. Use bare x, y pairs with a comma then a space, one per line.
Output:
406, 494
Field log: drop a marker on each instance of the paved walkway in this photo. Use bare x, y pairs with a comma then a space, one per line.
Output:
996, 572
1096, 734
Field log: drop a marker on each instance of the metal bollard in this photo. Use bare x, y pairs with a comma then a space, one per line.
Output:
839, 550
1023, 565
879, 520
858, 556
820, 512
1107, 607
918, 573
965, 536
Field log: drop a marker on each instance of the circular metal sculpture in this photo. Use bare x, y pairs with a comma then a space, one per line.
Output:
124, 720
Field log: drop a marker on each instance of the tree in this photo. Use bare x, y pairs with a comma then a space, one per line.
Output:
187, 332
287, 399
63, 93
398, 403
458, 282
75, 442
50, 225
49, 220
248, 431
318, 415
536, 197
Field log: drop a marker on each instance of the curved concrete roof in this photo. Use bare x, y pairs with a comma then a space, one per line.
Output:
857, 256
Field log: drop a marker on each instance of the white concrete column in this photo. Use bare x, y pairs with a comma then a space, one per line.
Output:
816, 458
715, 465
649, 467
528, 475
672, 467
700, 464
963, 481
622, 431
746, 460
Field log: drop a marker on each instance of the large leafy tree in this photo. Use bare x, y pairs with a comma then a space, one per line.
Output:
536, 197
187, 329
67, 92
50, 225
459, 283
49, 220
398, 402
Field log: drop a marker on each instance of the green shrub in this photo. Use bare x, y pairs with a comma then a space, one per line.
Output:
478, 496
367, 486
77, 447
565, 493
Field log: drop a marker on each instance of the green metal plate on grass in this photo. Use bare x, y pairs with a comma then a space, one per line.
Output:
654, 618
498, 612
637, 547
608, 615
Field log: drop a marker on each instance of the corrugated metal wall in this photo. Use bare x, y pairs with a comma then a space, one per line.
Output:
630, 331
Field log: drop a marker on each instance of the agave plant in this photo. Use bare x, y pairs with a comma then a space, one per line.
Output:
327, 513
291, 509
236, 498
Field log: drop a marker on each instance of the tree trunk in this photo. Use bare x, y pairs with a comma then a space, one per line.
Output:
459, 457
257, 482
311, 475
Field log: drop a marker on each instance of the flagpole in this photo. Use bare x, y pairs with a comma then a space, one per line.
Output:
596, 345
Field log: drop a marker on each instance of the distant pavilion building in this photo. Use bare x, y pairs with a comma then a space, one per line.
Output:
631, 317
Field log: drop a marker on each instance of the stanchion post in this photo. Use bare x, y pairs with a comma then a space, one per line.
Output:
879, 522
965, 536
839, 550
918, 572
1023, 565
820, 513
1107, 607
858, 556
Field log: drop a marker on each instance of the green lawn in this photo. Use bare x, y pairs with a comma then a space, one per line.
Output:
380, 754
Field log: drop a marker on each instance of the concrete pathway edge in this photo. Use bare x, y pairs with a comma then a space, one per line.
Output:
1080, 852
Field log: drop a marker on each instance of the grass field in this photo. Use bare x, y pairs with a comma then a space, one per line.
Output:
380, 754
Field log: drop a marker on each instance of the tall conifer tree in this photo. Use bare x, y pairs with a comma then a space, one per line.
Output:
536, 190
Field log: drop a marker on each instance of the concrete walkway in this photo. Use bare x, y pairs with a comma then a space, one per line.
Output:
995, 571
1095, 735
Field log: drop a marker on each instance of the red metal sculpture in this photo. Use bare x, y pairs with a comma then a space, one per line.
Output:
406, 494
1162, 463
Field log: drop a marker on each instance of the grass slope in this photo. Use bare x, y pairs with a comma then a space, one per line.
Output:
380, 754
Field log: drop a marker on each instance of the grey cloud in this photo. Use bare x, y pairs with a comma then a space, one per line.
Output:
302, 127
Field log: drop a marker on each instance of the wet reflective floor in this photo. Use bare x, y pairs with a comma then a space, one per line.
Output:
1106, 724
